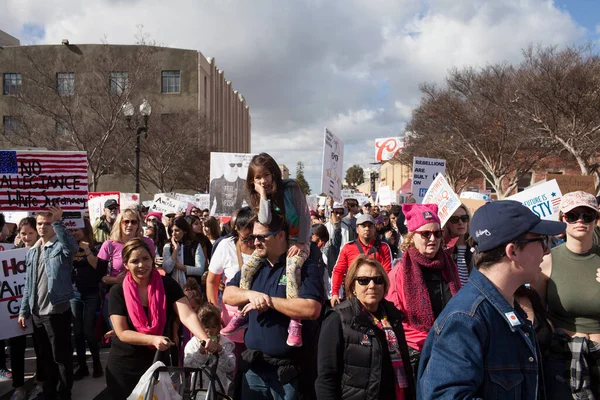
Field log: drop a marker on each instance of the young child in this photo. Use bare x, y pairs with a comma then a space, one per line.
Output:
192, 291
196, 356
268, 193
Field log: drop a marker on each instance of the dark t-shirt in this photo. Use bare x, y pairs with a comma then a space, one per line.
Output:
137, 359
229, 195
85, 277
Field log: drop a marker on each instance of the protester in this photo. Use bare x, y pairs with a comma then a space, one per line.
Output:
104, 225
155, 231
275, 368
197, 230
365, 207
183, 256
391, 237
154, 215
336, 220
362, 349
212, 229
85, 304
569, 288
269, 195
365, 244
205, 213
314, 218
196, 356
321, 213
142, 308
481, 345
195, 211
351, 205
426, 279
460, 245
48, 289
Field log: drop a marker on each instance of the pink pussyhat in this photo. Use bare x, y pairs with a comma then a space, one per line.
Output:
418, 215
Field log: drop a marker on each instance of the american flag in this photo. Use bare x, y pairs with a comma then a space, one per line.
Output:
36, 180
556, 202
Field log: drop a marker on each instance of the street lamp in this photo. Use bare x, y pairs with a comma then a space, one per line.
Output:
145, 111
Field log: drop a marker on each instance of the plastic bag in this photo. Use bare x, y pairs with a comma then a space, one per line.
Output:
163, 389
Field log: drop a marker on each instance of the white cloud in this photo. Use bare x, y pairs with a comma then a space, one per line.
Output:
353, 66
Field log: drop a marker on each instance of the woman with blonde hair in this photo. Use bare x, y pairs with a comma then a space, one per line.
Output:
459, 243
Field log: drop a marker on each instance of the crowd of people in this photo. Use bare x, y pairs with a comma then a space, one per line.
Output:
348, 301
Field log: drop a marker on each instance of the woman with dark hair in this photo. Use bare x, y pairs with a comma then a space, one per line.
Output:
156, 231
212, 229
198, 235
268, 193
142, 310
183, 256
85, 304
362, 352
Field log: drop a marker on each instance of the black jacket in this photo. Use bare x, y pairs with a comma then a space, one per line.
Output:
353, 360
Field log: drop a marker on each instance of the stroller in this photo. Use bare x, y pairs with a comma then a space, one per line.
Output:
188, 381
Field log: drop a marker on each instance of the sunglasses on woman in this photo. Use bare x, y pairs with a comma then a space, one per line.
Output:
130, 222
365, 280
427, 234
586, 216
455, 218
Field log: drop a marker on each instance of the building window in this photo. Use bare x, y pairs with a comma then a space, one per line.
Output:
205, 86
118, 82
65, 83
525, 181
171, 81
10, 125
12, 83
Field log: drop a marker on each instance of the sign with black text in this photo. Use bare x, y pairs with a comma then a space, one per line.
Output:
12, 277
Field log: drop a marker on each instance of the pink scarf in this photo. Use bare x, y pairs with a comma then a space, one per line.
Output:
157, 304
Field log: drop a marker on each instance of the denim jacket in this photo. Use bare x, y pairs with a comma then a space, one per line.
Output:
58, 253
480, 348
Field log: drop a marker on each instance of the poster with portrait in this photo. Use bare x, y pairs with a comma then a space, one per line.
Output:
228, 173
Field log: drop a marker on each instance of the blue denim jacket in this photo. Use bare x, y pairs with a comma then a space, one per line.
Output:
480, 348
58, 253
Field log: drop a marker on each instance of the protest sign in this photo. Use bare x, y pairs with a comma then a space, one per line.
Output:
333, 164
441, 193
12, 275
6, 246
573, 183
228, 172
387, 148
16, 216
186, 198
166, 204
312, 201
202, 200
543, 200
96, 202
425, 170
472, 205
385, 197
129, 200
474, 196
347, 194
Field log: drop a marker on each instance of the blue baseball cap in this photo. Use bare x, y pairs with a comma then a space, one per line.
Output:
501, 222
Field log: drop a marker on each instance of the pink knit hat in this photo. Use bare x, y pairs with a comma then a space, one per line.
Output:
156, 214
418, 215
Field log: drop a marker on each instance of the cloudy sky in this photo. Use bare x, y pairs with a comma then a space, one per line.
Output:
352, 65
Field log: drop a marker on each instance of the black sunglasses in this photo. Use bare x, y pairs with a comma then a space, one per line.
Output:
455, 218
365, 280
262, 238
239, 165
427, 234
587, 217
542, 239
338, 212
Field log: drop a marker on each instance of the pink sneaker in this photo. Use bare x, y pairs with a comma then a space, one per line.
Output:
294, 334
236, 323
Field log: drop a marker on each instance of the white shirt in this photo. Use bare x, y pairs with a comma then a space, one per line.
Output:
225, 260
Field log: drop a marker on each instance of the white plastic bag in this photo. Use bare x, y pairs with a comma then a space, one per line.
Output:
163, 389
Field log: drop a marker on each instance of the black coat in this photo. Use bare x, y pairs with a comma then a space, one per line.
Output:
353, 360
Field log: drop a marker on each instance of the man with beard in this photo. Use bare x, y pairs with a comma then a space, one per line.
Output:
103, 226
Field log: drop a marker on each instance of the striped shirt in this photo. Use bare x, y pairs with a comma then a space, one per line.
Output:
461, 263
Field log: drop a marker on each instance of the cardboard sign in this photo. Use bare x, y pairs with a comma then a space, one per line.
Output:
129, 200
333, 166
387, 148
96, 202
12, 274
385, 196
573, 183
425, 170
6, 246
167, 205
16, 216
202, 200
472, 205
543, 200
441, 193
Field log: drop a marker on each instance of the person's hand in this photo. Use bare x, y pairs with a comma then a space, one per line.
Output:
295, 249
85, 246
210, 346
260, 189
330, 202
222, 285
175, 245
161, 343
121, 276
22, 322
57, 213
203, 278
258, 301
598, 275
334, 218
158, 260
335, 299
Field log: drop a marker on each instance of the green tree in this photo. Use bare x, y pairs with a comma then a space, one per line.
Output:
355, 176
300, 178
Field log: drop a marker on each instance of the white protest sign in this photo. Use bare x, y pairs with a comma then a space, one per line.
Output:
6, 246
129, 200
543, 199
186, 198
202, 200
384, 196
474, 196
15, 217
333, 165
312, 201
96, 202
167, 205
73, 219
12, 274
425, 170
228, 173
441, 193
347, 194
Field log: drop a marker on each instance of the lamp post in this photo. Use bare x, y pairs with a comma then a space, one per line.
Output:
145, 111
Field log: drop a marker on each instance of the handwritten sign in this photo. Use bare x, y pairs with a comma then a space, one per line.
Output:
474, 196
441, 193
6, 246
36, 180
167, 205
387, 148
573, 183
202, 200
543, 200
425, 170
96, 202
333, 164
12, 276
129, 200
16, 216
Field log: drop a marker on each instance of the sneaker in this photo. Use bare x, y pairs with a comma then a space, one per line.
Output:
36, 392
294, 334
238, 322
18, 395
81, 373
5, 374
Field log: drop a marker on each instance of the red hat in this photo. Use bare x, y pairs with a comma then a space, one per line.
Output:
418, 215
314, 213
155, 214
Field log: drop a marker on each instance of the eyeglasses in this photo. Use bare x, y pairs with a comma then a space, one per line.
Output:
587, 217
542, 239
338, 212
427, 234
239, 165
365, 280
262, 238
130, 222
455, 218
